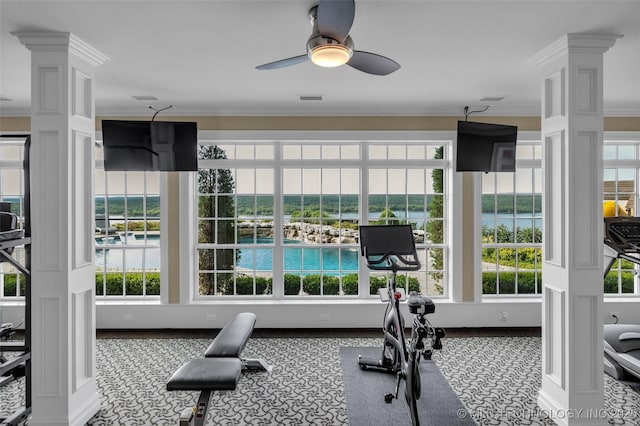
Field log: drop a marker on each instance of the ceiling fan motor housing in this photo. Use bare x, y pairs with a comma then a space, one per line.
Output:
320, 40
316, 39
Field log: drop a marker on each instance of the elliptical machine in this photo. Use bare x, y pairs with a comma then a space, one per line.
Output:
621, 341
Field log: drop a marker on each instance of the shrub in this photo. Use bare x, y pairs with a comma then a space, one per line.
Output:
291, 284
401, 282
611, 282
134, 284
350, 284
10, 284
375, 283
311, 284
244, 285
330, 285
526, 282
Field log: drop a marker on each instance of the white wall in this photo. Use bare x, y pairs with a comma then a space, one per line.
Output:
310, 314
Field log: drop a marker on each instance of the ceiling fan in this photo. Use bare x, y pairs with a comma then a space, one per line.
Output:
330, 44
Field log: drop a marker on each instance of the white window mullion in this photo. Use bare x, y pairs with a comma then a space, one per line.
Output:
363, 219
278, 224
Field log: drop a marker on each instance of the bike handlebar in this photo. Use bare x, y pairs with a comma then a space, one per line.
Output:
392, 262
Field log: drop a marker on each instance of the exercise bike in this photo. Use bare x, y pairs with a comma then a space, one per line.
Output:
621, 341
392, 248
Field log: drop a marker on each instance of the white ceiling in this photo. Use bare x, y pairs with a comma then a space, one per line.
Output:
200, 55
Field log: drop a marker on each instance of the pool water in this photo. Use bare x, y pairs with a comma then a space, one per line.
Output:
296, 259
302, 259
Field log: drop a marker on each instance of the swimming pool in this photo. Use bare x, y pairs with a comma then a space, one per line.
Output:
296, 259
308, 259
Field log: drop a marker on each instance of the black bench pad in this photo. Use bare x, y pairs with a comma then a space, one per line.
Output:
232, 338
205, 374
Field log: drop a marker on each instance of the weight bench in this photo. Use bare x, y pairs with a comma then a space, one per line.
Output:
231, 341
219, 370
206, 375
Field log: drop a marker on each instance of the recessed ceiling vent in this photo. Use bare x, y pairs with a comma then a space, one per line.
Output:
144, 98
492, 99
310, 97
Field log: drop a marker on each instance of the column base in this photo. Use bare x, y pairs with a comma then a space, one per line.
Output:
563, 416
78, 417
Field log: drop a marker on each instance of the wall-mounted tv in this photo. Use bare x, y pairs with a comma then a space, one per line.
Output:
150, 145
483, 147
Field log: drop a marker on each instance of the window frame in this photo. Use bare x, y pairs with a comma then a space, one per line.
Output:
444, 138
160, 247
534, 165
625, 138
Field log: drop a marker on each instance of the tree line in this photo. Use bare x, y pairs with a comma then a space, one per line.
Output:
135, 206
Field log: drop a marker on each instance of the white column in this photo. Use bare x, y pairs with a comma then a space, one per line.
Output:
64, 390
572, 389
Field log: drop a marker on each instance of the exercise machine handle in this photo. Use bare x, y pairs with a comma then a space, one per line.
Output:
391, 261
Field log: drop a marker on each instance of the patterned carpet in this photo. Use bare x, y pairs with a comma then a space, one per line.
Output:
496, 378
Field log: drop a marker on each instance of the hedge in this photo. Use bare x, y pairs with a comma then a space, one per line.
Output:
10, 284
526, 283
330, 284
611, 282
134, 284
244, 285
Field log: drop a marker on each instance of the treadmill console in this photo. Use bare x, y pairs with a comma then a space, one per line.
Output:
622, 233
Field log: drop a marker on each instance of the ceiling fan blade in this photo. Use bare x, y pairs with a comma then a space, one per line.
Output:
335, 18
372, 63
283, 63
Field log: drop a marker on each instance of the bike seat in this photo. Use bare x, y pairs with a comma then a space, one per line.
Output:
421, 304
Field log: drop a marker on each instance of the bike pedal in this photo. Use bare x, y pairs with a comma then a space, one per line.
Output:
388, 398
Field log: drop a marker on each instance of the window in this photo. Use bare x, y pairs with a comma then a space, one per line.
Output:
512, 226
12, 191
512, 216
620, 197
281, 218
127, 235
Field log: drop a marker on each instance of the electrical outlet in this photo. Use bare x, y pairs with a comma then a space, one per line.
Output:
503, 316
211, 317
324, 317
127, 317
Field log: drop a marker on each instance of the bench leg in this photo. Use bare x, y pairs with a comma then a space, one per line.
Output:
186, 417
200, 412
256, 364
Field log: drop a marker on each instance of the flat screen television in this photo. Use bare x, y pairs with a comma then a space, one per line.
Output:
150, 145
483, 147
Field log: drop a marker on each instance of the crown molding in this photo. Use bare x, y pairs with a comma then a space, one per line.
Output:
575, 43
492, 112
54, 41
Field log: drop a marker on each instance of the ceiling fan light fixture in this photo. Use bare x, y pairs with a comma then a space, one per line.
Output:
331, 55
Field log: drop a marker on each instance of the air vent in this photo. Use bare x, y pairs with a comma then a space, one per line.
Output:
492, 99
310, 97
145, 98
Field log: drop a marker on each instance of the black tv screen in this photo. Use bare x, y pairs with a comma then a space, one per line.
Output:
150, 145
484, 147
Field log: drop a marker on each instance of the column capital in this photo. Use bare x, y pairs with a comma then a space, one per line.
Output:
575, 43
52, 41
